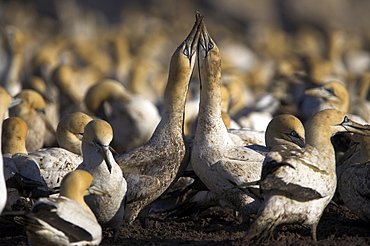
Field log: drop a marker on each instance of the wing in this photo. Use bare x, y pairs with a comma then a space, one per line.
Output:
294, 172
140, 187
238, 172
251, 153
66, 216
23, 174
245, 136
55, 163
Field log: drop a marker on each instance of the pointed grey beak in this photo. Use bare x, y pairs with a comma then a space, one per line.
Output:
192, 39
204, 40
354, 127
297, 140
96, 191
105, 152
15, 101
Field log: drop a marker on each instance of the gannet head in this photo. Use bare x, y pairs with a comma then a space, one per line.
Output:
207, 47
14, 136
328, 122
99, 134
32, 100
5, 99
70, 131
183, 59
103, 90
334, 92
209, 59
79, 183
285, 128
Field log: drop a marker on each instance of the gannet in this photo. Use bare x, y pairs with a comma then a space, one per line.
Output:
73, 83
354, 180
332, 94
14, 44
5, 101
215, 158
99, 162
153, 166
32, 110
70, 130
66, 220
56, 162
298, 183
41, 170
50, 94
22, 172
132, 117
283, 129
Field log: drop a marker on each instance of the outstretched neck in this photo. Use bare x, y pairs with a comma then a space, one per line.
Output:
210, 102
174, 99
318, 135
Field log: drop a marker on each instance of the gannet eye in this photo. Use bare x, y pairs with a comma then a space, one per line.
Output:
210, 46
186, 52
345, 120
41, 110
293, 133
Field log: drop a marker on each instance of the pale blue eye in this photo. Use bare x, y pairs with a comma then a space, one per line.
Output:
210, 46
186, 52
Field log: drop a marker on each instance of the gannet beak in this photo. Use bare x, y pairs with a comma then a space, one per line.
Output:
192, 39
96, 191
297, 140
319, 92
15, 101
354, 127
204, 41
105, 152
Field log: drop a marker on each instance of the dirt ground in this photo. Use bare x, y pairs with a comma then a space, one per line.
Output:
221, 226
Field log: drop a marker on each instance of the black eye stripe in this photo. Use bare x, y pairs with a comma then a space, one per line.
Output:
330, 90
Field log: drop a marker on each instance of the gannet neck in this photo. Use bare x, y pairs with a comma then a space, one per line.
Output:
177, 86
14, 136
15, 44
210, 75
318, 133
180, 71
5, 100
